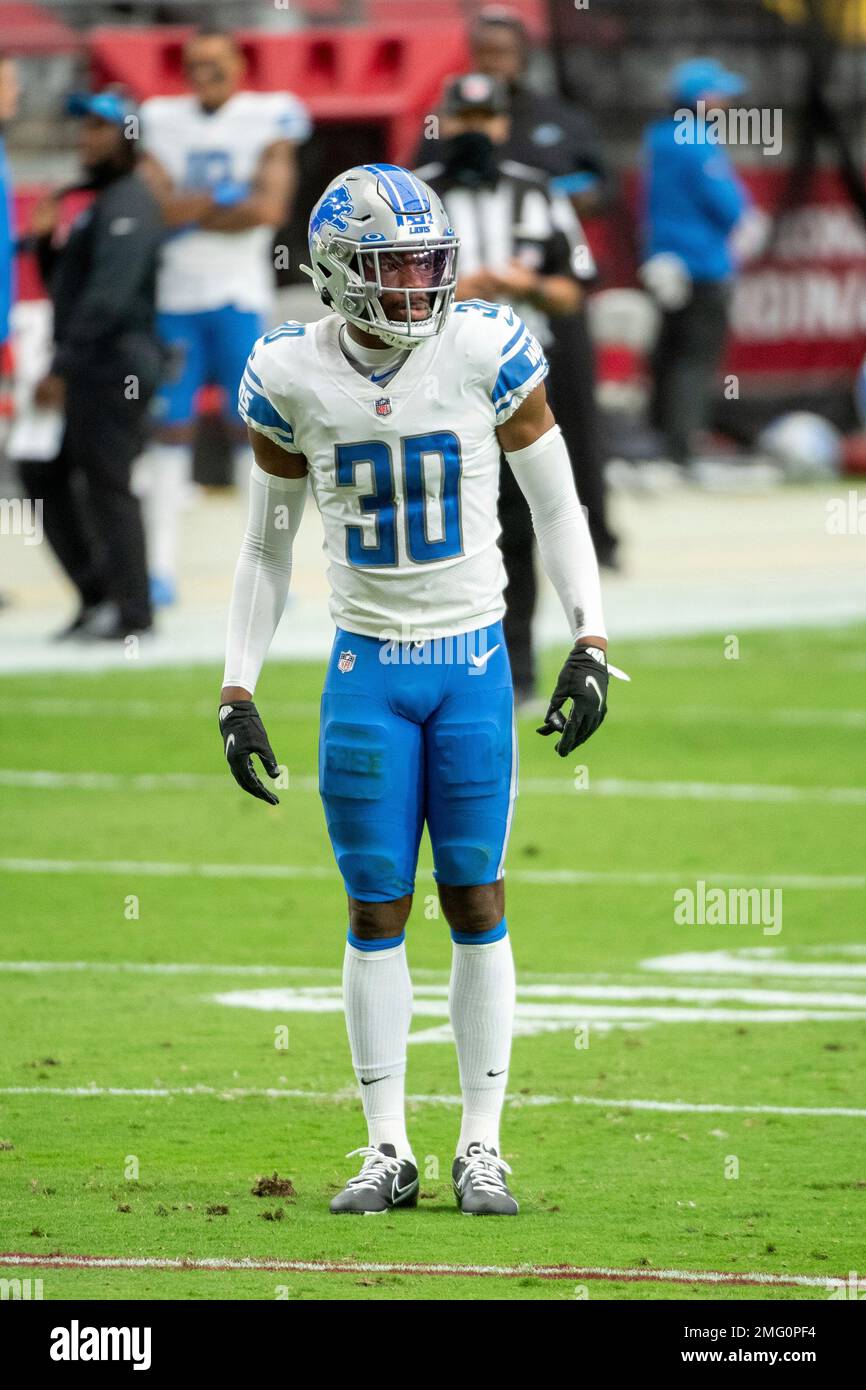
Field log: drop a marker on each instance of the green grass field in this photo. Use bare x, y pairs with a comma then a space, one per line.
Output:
139, 854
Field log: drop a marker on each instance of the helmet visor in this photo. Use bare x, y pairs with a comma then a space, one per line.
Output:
408, 282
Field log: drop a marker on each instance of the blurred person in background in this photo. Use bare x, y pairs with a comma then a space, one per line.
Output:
9, 93
693, 202
546, 132
222, 163
553, 135
519, 245
106, 366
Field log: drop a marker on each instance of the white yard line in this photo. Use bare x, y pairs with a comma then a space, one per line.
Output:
677, 878
348, 1094
767, 793
136, 967
756, 962
575, 1272
548, 990
738, 713
58, 706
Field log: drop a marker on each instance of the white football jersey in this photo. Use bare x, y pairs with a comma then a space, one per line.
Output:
199, 149
405, 475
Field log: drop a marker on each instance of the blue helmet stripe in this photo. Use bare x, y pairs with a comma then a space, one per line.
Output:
405, 193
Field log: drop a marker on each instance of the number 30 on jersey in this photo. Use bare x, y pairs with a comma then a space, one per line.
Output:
416, 452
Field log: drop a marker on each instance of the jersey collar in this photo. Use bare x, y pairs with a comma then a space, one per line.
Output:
399, 388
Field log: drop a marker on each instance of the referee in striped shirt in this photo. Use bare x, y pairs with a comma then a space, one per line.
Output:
521, 245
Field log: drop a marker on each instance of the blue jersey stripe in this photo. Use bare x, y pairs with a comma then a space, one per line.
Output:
521, 328
515, 373
258, 411
257, 381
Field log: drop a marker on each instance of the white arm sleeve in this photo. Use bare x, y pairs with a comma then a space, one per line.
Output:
543, 474
263, 572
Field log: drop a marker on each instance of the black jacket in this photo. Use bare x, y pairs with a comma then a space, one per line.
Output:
103, 280
547, 133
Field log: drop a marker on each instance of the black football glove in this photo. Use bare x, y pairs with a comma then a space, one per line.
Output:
583, 680
244, 734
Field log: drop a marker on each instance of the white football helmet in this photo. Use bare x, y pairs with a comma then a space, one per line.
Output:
384, 255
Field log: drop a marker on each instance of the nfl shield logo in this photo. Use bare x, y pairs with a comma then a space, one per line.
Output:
346, 661
383, 405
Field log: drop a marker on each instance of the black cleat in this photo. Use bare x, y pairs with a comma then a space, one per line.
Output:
78, 623
385, 1181
478, 1179
103, 623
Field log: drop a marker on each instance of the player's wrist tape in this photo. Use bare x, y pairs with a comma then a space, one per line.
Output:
227, 193
264, 568
601, 657
595, 652
543, 474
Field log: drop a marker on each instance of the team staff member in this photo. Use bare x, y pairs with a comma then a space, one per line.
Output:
546, 132
518, 245
693, 202
555, 136
106, 367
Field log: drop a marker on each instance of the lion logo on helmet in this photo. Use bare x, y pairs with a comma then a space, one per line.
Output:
333, 210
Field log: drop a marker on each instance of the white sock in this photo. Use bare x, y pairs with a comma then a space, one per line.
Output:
481, 1006
377, 998
167, 471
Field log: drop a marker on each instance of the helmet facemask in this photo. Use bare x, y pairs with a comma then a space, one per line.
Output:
399, 292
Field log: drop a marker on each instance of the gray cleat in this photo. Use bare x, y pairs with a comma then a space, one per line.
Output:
385, 1181
478, 1179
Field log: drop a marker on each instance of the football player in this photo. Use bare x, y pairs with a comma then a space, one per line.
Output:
222, 163
394, 408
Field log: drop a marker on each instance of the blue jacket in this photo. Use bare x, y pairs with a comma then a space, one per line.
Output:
692, 200
7, 254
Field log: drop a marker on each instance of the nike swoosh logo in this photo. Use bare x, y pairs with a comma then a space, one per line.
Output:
374, 1079
229, 741
383, 377
398, 1191
591, 680
484, 657
498, 1073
